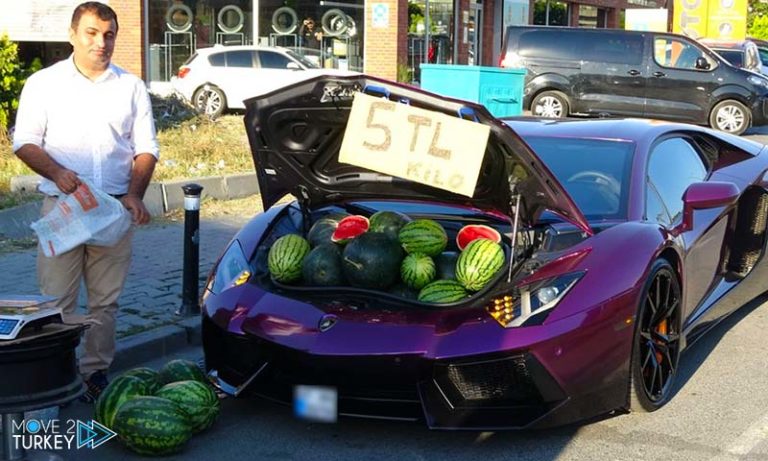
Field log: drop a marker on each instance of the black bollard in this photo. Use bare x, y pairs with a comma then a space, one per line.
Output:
189, 291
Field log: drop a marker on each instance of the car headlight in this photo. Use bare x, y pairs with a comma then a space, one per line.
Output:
532, 303
758, 81
233, 269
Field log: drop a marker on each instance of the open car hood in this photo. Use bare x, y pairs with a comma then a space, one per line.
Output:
295, 135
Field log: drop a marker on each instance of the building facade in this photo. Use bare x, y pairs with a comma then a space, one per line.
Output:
386, 38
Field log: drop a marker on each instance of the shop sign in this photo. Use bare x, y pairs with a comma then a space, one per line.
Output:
380, 15
726, 19
419, 145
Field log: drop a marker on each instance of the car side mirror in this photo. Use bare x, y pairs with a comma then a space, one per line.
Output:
702, 63
292, 65
704, 196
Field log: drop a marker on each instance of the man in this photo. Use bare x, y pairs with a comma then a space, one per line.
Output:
310, 38
85, 117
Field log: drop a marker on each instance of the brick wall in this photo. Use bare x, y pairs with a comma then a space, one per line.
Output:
386, 47
129, 50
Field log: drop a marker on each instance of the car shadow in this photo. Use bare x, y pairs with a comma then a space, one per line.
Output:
697, 353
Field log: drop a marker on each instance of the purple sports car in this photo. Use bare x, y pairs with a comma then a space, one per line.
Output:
625, 241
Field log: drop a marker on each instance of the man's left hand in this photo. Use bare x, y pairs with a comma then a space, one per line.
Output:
135, 206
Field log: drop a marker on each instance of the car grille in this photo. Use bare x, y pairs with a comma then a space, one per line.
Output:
506, 379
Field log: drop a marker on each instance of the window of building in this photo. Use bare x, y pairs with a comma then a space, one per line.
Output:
178, 28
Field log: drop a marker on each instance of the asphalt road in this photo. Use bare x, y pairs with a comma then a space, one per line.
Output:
719, 413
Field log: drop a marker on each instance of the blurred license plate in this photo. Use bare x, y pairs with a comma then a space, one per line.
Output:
315, 403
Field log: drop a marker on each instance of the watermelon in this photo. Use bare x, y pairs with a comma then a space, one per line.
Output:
423, 236
442, 291
181, 370
472, 232
152, 426
478, 263
402, 290
322, 266
372, 260
417, 270
445, 265
119, 391
196, 400
150, 377
349, 228
388, 222
285, 258
321, 232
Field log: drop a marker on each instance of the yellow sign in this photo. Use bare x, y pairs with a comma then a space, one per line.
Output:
723, 19
415, 144
690, 18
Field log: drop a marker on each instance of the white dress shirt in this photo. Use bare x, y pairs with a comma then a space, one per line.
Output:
94, 128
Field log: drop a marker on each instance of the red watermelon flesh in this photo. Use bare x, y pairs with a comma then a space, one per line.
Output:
476, 231
349, 228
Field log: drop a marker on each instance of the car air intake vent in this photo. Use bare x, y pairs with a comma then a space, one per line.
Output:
504, 379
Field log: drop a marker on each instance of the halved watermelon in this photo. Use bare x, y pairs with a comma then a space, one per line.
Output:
472, 232
349, 228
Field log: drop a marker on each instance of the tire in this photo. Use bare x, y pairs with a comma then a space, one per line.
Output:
284, 20
209, 100
172, 25
730, 116
550, 104
334, 22
656, 341
221, 19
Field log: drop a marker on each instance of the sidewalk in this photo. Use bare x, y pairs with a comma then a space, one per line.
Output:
147, 326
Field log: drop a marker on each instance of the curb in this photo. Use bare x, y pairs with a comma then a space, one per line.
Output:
136, 349
160, 198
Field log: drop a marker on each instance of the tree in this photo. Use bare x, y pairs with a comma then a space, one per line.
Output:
759, 28
12, 77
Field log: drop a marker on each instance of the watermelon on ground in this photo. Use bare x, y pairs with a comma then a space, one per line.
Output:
196, 400
285, 258
119, 391
152, 426
478, 263
150, 377
181, 370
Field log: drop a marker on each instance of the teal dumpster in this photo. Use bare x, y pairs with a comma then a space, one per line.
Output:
500, 90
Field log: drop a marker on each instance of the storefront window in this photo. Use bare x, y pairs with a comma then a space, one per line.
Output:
328, 33
177, 28
433, 44
550, 13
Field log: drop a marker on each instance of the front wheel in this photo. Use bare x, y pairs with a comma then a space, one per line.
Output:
550, 104
730, 116
209, 100
656, 344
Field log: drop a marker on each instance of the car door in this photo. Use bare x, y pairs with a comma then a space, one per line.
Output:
675, 89
674, 164
237, 80
277, 70
613, 73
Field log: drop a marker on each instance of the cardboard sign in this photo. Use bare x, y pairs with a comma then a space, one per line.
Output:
415, 144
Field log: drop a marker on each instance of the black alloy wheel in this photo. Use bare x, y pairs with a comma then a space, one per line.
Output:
656, 348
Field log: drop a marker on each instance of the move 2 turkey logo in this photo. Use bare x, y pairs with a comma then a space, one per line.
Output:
54, 434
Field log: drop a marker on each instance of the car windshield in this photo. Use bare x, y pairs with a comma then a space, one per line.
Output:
594, 172
308, 63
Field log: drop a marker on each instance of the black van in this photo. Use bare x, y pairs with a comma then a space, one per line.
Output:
612, 72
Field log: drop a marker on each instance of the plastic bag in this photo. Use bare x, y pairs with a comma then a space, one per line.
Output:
87, 215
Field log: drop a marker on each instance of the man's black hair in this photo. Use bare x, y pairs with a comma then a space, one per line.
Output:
102, 11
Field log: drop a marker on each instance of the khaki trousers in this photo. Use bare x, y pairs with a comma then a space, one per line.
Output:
104, 270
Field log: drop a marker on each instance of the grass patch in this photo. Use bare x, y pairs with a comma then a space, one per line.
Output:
190, 147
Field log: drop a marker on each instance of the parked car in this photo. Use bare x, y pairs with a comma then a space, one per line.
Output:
631, 239
739, 53
609, 72
221, 77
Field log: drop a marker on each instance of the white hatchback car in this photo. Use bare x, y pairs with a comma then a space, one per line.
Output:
222, 77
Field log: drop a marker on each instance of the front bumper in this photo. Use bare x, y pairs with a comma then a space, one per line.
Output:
508, 390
